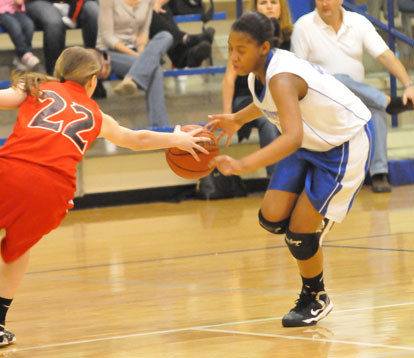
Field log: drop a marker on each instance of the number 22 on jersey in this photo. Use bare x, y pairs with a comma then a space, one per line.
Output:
83, 119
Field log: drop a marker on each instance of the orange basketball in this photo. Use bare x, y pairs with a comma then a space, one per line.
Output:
183, 163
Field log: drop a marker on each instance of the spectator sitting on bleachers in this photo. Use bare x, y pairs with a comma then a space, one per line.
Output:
335, 39
235, 92
187, 50
48, 18
20, 29
123, 29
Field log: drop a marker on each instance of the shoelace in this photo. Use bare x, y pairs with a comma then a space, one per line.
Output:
304, 300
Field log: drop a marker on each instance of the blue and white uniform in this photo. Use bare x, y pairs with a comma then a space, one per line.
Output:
337, 137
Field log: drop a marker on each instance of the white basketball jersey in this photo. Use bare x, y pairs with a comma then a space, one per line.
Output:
331, 113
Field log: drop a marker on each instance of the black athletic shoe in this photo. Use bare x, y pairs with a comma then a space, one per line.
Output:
396, 106
309, 310
197, 54
6, 338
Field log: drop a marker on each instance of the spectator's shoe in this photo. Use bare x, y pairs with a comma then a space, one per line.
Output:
310, 308
380, 183
396, 106
62, 8
19, 65
197, 54
30, 60
127, 87
6, 338
69, 22
206, 35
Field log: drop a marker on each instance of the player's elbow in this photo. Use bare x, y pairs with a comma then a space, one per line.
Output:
295, 141
141, 140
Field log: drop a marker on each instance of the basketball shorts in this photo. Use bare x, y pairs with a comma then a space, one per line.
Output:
33, 202
332, 178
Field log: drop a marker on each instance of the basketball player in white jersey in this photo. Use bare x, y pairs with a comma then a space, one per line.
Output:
323, 152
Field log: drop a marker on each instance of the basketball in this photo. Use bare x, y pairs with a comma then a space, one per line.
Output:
183, 163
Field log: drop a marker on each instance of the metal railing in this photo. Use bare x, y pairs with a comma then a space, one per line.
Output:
392, 35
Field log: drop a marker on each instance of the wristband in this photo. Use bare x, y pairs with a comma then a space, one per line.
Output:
409, 85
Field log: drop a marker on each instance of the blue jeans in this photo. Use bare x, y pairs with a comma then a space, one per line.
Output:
48, 19
376, 101
147, 72
20, 29
268, 132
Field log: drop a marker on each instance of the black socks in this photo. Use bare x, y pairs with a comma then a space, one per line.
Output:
4, 306
313, 285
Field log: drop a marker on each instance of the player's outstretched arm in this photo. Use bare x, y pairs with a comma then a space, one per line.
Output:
11, 98
150, 140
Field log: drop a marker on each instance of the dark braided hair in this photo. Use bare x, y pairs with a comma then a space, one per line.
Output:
259, 27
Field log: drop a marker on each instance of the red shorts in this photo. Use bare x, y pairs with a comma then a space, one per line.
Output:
33, 202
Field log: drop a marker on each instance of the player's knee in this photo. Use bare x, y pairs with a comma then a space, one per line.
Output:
278, 227
302, 246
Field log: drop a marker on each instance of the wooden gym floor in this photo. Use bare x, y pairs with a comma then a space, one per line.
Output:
202, 279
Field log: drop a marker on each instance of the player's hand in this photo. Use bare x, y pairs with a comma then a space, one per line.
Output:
227, 165
189, 142
226, 123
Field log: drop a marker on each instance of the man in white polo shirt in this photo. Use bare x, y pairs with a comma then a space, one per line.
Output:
335, 39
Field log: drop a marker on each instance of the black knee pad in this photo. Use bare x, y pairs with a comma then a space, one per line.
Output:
278, 227
302, 246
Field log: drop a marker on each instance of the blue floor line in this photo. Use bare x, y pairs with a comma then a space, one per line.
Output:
368, 248
224, 253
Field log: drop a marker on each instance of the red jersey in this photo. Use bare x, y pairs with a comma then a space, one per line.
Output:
56, 130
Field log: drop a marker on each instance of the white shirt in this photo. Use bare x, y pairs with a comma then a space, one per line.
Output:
341, 52
331, 113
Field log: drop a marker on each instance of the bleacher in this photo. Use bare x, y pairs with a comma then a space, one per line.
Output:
109, 175
172, 72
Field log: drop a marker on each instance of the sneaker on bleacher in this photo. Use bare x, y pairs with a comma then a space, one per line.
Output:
68, 22
18, 65
29, 60
64, 12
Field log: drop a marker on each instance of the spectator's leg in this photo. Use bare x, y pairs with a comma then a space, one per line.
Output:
178, 55
147, 73
156, 109
12, 26
376, 101
371, 97
121, 62
88, 22
165, 22
27, 26
47, 18
149, 60
379, 164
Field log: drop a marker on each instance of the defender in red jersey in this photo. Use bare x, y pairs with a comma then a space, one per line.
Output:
56, 123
